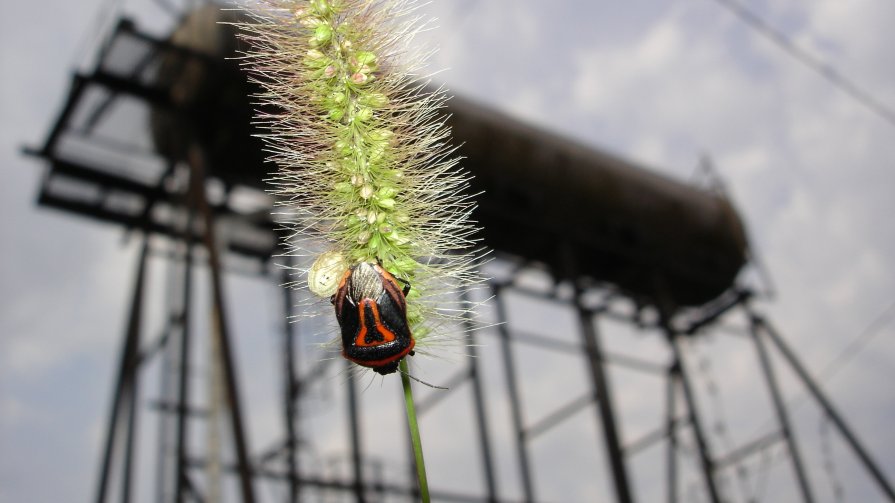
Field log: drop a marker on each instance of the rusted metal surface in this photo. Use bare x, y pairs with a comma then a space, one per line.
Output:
646, 233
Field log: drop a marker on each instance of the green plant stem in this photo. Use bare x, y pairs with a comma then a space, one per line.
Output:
414, 433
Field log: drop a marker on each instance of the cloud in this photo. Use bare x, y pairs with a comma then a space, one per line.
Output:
659, 82
809, 166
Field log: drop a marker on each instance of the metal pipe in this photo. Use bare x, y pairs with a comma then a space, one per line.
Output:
478, 400
782, 416
705, 456
649, 439
127, 475
670, 425
216, 406
513, 392
290, 394
825, 403
126, 377
166, 345
184, 352
604, 403
214, 268
558, 416
738, 454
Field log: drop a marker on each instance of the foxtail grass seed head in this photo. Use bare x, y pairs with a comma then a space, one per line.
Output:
365, 166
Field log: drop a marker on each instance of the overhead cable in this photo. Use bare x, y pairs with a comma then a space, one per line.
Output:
823, 69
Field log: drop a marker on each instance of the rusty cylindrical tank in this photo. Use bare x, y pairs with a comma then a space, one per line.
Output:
580, 211
584, 212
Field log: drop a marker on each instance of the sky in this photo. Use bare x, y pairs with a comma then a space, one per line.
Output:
662, 83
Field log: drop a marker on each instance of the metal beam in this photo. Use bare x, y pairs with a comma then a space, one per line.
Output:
478, 398
884, 485
738, 454
605, 405
290, 395
705, 457
670, 430
183, 387
513, 392
197, 179
126, 382
782, 415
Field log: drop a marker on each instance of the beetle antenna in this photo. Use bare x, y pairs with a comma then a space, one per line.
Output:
421, 381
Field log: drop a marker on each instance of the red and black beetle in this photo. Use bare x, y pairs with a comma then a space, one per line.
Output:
372, 313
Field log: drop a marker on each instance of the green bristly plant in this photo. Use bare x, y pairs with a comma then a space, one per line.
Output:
365, 167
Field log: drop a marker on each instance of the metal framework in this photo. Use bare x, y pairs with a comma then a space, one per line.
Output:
174, 203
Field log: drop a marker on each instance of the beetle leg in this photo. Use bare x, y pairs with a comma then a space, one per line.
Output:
332, 299
406, 289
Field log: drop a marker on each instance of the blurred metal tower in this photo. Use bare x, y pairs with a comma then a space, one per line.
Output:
156, 138
100, 167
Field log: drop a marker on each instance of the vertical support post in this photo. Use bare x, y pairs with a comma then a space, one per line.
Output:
600, 384
822, 400
126, 383
478, 397
244, 468
133, 399
782, 416
705, 457
291, 389
216, 403
671, 432
183, 403
513, 391
177, 308
184, 350
354, 425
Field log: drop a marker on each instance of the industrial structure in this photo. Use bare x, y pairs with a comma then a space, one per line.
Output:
582, 236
